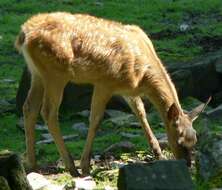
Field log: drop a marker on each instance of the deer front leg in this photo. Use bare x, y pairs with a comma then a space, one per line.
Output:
99, 100
137, 107
51, 102
31, 109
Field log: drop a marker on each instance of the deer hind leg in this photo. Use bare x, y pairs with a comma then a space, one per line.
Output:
51, 102
99, 100
31, 109
137, 107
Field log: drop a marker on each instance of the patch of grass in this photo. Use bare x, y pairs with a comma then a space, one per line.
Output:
11, 137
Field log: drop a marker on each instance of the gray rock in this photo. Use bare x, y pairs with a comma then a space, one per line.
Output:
135, 125
13, 171
198, 78
50, 140
117, 164
9, 81
124, 119
215, 113
165, 175
84, 113
4, 184
123, 146
163, 140
161, 136
218, 66
183, 78
5, 106
81, 128
209, 155
129, 135
217, 99
98, 3
184, 27
41, 127
46, 136
20, 125
86, 183
114, 113
39, 182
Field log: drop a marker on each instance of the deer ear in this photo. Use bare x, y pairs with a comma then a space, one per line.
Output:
173, 112
199, 109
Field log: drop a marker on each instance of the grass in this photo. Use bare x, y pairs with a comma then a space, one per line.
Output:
160, 19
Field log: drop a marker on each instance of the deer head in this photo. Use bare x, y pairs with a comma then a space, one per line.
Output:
183, 135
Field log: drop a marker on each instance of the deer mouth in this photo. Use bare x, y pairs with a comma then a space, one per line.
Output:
187, 156
184, 153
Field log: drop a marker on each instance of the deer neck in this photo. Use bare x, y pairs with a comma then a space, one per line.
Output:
162, 94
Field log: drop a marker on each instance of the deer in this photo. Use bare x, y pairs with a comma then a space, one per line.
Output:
117, 59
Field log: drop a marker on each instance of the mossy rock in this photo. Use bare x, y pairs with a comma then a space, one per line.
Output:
13, 171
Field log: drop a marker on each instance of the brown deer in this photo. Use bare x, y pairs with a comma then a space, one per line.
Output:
116, 59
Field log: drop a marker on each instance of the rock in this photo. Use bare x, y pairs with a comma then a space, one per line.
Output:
98, 3
20, 125
183, 78
135, 125
209, 156
9, 81
161, 125
109, 188
81, 128
75, 98
46, 136
218, 65
184, 27
47, 141
117, 164
217, 99
5, 106
165, 175
4, 184
12, 170
86, 183
41, 127
84, 113
190, 103
110, 113
129, 135
215, 113
123, 146
163, 140
123, 119
199, 78
39, 182
50, 140
97, 158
